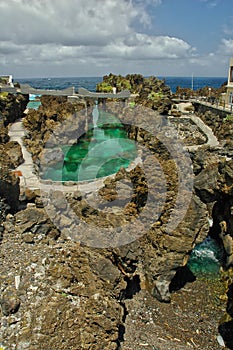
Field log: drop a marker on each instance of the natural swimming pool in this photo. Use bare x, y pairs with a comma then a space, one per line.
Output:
101, 151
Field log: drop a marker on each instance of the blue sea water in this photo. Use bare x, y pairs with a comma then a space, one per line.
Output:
62, 83
206, 258
195, 82
91, 82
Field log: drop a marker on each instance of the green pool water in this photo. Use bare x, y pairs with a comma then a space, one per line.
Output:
33, 105
206, 258
100, 152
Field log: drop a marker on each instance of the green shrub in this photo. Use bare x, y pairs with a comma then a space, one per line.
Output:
228, 118
3, 96
104, 87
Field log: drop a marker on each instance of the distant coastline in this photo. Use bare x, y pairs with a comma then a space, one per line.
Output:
91, 82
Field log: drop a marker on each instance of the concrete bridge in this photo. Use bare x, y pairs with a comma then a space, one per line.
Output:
26, 89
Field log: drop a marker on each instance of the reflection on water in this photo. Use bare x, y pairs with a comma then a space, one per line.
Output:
102, 151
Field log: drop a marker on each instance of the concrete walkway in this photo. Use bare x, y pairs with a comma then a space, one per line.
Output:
212, 140
29, 178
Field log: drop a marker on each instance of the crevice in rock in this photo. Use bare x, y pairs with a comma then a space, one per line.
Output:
4, 210
183, 275
132, 288
125, 265
226, 326
23, 205
121, 329
225, 330
221, 230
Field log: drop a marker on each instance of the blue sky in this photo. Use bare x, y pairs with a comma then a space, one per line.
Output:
201, 23
46, 38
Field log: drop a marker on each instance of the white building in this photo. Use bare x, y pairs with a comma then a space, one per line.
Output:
7, 79
229, 93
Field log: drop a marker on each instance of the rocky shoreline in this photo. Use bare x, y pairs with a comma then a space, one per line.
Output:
60, 288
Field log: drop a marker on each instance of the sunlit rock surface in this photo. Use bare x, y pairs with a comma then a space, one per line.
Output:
59, 293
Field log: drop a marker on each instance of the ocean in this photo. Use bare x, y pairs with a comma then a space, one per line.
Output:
91, 82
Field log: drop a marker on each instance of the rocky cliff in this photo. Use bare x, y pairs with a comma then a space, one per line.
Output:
214, 185
11, 108
71, 293
42, 123
150, 92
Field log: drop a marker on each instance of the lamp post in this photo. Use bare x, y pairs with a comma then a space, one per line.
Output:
209, 93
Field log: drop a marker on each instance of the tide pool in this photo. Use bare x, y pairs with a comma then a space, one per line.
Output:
100, 152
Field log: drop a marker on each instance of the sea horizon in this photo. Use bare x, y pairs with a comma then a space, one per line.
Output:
123, 75
90, 82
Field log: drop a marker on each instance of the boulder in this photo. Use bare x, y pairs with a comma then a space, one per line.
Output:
226, 331
9, 302
14, 152
4, 137
9, 188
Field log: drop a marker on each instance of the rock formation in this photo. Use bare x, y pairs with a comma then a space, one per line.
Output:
150, 92
11, 108
214, 185
57, 292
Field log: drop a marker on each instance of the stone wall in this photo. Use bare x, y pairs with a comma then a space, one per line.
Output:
220, 122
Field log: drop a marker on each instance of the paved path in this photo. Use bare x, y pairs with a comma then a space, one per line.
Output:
212, 140
29, 178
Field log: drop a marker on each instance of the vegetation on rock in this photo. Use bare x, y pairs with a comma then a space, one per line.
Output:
150, 92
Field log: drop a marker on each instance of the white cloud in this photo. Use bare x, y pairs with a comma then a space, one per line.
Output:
210, 3
144, 17
70, 22
8, 48
145, 47
226, 47
94, 32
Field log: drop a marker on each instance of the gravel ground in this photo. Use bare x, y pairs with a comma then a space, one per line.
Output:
190, 321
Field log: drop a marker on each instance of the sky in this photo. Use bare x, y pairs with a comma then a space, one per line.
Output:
74, 38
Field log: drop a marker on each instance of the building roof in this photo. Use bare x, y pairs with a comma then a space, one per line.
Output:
27, 89
70, 91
